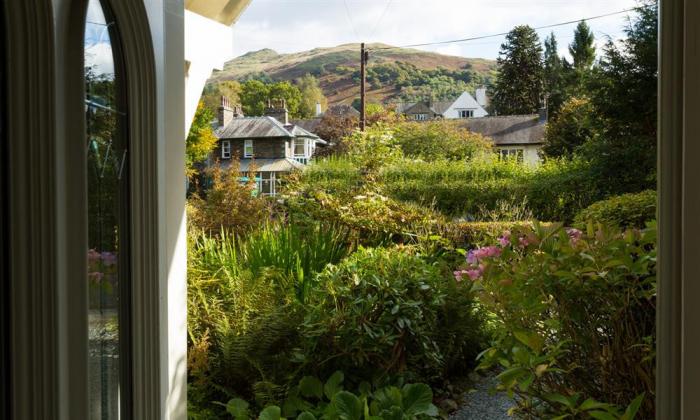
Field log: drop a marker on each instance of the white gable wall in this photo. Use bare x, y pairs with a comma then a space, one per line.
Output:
465, 101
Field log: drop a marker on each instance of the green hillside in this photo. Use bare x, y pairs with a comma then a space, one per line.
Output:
393, 74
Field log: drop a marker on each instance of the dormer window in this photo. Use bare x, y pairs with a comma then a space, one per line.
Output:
466, 113
226, 149
248, 149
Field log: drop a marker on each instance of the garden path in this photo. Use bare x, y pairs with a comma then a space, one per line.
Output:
481, 404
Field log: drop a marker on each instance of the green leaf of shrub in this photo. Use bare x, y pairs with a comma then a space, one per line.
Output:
306, 416
632, 409
333, 385
310, 386
601, 415
530, 339
271, 413
348, 406
417, 399
238, 408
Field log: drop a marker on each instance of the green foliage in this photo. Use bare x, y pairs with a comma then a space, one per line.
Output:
412, 401
201, 139
582, 48
378, 313
255, 95
627, 210
311, 94
373, 148
574, 311
554, 77
228, 204
518, 89
439, 140
211, 96
623, 92
573, 126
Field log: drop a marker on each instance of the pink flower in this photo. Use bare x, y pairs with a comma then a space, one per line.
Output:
505, 239
471, 257
96, 276
93, 256
574, 235
523, 241
458, 275
109, 258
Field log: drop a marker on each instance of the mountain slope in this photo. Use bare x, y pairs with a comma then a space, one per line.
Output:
393, 74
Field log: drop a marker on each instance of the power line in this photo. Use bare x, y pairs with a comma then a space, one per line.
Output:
347, 13
381, 17
475, 38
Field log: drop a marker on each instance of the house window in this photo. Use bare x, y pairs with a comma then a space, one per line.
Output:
299, 148
420, 117
248, 149
108, 216
511, 154
466, 113
226, 149
267, 183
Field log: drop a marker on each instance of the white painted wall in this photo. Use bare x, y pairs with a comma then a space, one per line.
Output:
465, 101
208, 45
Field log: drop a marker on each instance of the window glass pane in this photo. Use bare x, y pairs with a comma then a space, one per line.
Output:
107, 255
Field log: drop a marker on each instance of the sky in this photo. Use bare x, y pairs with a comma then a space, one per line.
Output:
299, 25
98, 48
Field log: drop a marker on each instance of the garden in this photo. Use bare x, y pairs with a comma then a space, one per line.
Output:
409, 258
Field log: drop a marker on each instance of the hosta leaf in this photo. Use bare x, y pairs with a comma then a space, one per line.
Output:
306, 416
333, 385
417, 399
310, 386
238, 408
348, 406
271, 413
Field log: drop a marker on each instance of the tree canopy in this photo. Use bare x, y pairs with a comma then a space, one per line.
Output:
519, 86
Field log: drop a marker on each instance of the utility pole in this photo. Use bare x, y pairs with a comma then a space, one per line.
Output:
364, 55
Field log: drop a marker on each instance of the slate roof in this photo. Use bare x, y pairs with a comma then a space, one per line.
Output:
267, 165
309, 125
343, 111
262, 127
509, 129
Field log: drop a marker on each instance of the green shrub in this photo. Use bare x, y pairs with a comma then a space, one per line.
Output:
441, 139
313, 399
379, 312
627, 210
574, 312
474, 234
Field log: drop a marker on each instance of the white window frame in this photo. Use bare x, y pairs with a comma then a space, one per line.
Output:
420, 117
305, 151
518, 153
466, 113
248, 144
226, 149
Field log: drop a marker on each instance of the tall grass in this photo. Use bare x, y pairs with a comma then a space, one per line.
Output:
290, 255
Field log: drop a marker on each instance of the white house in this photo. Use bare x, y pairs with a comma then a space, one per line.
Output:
464, 106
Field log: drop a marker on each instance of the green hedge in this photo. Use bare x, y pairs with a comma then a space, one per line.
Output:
474, 234
627, 210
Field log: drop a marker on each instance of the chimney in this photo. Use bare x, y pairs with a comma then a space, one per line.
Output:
278, 110
481, 97
319, 111
225, 114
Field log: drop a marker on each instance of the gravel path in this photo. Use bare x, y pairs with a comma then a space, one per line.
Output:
482, 405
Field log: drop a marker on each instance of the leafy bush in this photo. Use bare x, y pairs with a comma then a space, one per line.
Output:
312, 399
475, 234
227, 204
442, 139
573, 125
378, 313
574, 312
627, 210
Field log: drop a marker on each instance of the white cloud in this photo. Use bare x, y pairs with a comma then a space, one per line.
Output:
298, 25
100, 58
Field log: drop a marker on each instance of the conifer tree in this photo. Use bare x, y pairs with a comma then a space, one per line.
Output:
582, 49
554, 78
518, 89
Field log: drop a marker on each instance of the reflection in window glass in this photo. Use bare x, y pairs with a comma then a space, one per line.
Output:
107, 181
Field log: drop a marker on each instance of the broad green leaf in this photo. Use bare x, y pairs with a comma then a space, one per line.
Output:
238, 409
310, 386
591, 404
306, 416
333, 385
509, 375
417, 399
561, 399
348, 406
271, 413
530, 339
601, 415
386, 398
632, 409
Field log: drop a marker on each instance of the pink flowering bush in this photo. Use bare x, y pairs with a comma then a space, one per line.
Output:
575, 318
